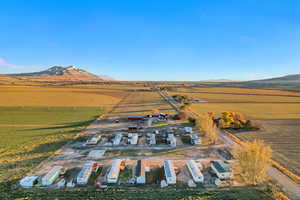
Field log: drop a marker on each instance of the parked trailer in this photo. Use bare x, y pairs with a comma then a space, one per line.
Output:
134, 138
117, 139
85, 173
195, 171
113, 174
195, 140
221, 170
188, 130
171, 140
52, 175
93, 140
29, 181
152, 139
169, 172
140, 172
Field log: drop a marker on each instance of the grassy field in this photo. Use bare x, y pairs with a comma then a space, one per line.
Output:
278, 112
30, 134
142, 103
141, 193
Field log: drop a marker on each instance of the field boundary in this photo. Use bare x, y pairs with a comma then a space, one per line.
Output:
277, 165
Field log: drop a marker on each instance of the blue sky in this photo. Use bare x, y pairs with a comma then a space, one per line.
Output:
153, 39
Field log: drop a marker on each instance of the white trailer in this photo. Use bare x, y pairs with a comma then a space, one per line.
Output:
113, 174
195, 140
171, 140
117, 139
29, 181
52, 175
85, 173
93, 140
169, 172
195, 171
134, 138
188, 130
221, 170
152, 140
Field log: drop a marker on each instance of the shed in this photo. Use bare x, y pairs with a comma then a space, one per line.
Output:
52, 175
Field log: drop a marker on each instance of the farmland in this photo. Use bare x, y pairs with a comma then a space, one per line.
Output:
277, 111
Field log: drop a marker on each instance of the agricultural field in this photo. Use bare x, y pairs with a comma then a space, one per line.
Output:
31, 134
277, 111
142, 103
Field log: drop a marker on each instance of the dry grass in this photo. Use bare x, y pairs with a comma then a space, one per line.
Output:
278, 112
142, 103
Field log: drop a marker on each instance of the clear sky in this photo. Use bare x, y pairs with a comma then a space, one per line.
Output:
153, 39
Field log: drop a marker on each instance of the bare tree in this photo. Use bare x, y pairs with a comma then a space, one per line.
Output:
207, 125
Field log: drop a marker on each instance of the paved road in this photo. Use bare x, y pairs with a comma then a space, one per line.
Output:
288, 185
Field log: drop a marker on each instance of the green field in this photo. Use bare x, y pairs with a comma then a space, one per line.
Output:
277, 111
31, 134
141, 193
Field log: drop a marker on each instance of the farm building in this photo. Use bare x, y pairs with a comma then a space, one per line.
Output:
221, 170
195, 171
52, 175
195, 140
135, 117
171, 140
152, 140
93, 140
117, 139
85, 173
29, 181
133, 139
96, 154
169, 172
113, 174
140, 172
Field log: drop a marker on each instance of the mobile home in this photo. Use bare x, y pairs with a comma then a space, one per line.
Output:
93, 140
169, 172
52, 175
117, 139
29, 181
195, 140
140, 172
85, 173
113, 174
221, 170
152, 140
133, 138
171, 140
195, 171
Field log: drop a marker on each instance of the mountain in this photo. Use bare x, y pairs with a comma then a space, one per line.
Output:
294, 78
57, 74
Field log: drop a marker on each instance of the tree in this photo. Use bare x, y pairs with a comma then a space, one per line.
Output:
207, 125
253, 161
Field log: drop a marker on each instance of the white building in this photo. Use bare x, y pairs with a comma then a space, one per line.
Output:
152, 140
195, 140
188, 130
117, 139
195, 171
29, 181
134, 138
113, 174
85, 173
171, 139
52, 175
93, 140
140, 172
96, 154
221, 170
169, 172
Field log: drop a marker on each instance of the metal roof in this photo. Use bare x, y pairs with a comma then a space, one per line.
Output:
220, 167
